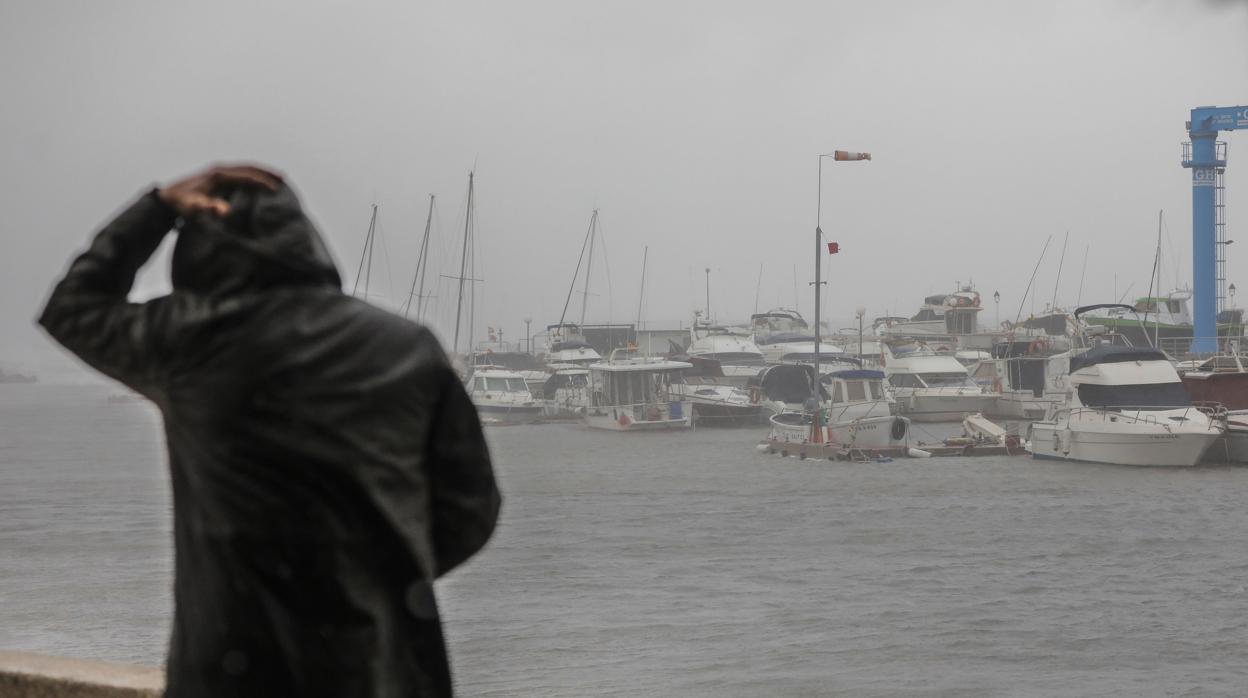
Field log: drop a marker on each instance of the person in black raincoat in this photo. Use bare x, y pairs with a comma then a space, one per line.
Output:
327, 464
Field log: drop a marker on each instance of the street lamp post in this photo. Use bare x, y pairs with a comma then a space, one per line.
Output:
528, 336
861, 311
996, 298
816, 426
708, 295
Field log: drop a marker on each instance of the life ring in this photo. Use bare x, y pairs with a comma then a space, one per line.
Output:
623, 420
1037, 344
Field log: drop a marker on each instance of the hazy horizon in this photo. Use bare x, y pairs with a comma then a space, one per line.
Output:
694, 128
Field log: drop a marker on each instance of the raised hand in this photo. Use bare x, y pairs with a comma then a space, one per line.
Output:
198, 192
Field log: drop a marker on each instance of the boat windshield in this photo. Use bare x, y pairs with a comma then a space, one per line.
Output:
857, 391
514, 385
947, 380
1142, 396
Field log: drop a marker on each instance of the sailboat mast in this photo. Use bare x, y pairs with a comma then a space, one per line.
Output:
367, 254
422, 261
589, 264
463, 264
645, 254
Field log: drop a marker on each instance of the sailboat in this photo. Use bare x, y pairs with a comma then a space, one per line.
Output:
499, 394
567, 342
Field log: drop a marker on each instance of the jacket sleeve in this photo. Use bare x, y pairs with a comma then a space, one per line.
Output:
464, 496
88, 312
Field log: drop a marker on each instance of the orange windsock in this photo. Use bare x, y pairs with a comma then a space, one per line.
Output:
847, 155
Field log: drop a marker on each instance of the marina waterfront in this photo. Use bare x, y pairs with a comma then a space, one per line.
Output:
689, 564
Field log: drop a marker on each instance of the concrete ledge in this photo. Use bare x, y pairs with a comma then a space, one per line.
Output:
25, 675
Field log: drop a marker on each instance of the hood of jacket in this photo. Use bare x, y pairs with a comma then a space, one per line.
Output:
264, 242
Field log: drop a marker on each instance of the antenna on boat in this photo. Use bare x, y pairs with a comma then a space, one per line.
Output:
1019, 315
758, 286
1152, 342
1061, 262
1082, 274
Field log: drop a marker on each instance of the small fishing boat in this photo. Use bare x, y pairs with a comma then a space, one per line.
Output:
635, 394
502, 397
868, 433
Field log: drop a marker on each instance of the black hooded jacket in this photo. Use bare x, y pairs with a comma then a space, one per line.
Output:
327, 465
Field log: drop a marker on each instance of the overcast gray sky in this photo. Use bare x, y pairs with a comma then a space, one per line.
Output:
694, 127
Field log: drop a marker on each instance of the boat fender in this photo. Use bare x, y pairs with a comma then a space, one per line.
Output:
918, 453
762, 448
899, 429
996, 385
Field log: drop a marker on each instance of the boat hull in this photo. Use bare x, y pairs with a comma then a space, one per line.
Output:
1023, 405
865, 433
1141, 445
509, 414
727, 415
675, 415
1230, 389
940, 406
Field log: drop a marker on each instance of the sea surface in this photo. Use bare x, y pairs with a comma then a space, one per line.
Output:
689, 564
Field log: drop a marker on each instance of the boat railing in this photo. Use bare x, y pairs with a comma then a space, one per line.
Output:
1180, 348
1148, 414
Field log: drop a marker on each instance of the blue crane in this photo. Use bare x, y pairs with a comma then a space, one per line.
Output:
1206, 157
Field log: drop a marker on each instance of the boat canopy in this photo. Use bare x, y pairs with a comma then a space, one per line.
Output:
790, 383
1113, 354
1102, 306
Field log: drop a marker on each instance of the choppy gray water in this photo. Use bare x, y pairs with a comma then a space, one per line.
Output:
689, 564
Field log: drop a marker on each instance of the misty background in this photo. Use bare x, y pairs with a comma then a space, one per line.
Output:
693, 127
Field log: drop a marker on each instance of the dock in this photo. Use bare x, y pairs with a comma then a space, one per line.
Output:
841, 452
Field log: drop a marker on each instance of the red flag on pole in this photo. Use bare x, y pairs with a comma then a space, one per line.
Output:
834, 247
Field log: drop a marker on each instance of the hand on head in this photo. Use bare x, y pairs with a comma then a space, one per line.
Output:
199, 192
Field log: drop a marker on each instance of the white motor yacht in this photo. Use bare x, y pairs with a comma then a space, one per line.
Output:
932, 387
524, 363
568, 346
740, 359
1125, 406
634, 394
502, 397
717, 404
566, 391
